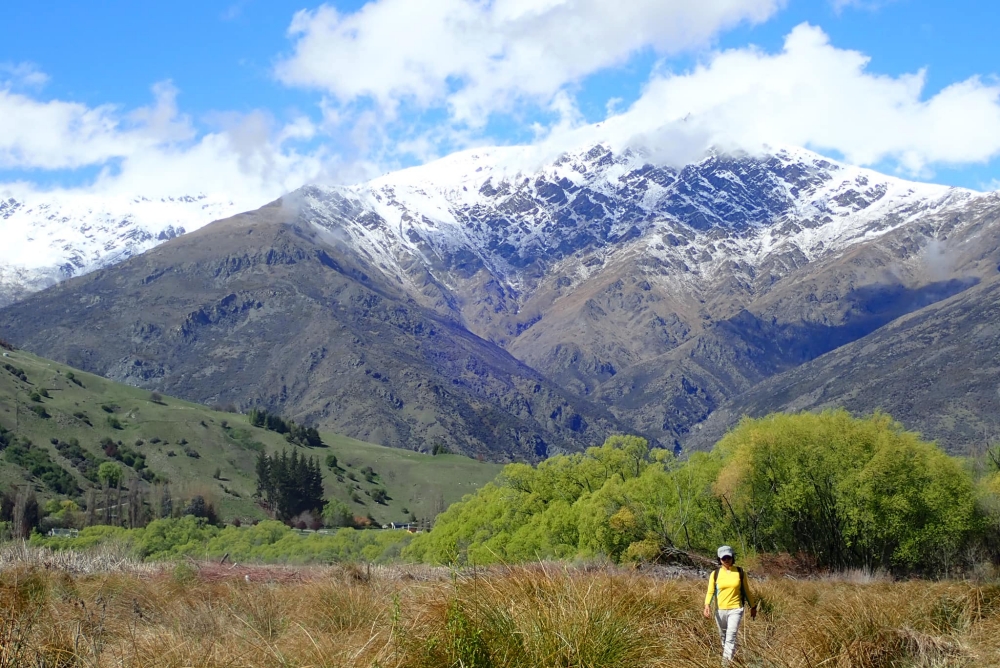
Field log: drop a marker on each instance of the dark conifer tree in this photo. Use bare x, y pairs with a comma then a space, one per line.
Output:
289, 485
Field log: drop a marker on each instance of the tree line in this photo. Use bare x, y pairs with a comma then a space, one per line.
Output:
294, 433
838, 491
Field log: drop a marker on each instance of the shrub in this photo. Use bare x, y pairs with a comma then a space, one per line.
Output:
114, 422
16, 372
40, 412
83, 417
302, 435
845, 492
83, 460
191, 452
337, 514
110, 447
39, 464
849, 492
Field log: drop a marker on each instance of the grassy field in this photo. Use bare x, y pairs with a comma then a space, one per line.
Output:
188, 443
104, 610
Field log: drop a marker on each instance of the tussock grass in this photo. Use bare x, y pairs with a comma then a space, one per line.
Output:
418, 617
109, 557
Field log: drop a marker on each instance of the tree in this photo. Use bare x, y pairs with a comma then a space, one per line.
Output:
110, 474
136, 505
199, 507
289, 485
91, 517
162, 501
850, 492
25, 516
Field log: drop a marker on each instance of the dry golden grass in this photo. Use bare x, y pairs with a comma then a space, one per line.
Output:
414, 617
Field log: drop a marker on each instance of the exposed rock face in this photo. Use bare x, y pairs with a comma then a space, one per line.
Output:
652, 296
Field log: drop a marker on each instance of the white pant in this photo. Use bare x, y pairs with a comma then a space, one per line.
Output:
728, 622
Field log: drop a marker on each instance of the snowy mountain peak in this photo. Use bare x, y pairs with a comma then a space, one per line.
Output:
48, 237
484, 209
510, 210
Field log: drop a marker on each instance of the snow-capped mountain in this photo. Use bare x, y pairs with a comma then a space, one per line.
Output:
47, 238
584, 211
652, 291
494, 208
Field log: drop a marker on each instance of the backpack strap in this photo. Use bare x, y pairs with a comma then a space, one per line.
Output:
715, 578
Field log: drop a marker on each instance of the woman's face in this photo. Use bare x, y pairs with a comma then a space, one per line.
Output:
727, 561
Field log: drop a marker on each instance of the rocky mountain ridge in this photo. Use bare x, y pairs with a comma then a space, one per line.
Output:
659, 293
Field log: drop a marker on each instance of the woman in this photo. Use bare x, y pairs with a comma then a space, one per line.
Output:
729, 587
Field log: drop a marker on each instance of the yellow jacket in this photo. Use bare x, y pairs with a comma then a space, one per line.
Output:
729, 589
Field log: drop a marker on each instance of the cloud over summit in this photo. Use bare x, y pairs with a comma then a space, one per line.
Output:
477, 58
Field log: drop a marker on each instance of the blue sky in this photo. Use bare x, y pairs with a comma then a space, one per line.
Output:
260, 96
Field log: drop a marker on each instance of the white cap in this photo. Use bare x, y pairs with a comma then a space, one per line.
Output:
725, 551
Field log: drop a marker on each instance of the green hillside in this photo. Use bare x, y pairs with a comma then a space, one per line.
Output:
67, 414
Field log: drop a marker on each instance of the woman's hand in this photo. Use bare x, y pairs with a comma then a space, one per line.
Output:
707, 612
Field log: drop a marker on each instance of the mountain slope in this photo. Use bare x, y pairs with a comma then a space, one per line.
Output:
260, 309
935, 370
649, 294
601, 260
166, 431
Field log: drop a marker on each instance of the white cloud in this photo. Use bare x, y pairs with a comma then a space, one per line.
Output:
22, 74
158, 151
476, 58
870, 5
37, 134
816, 95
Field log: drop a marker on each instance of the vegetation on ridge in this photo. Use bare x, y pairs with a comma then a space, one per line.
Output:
178, 452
